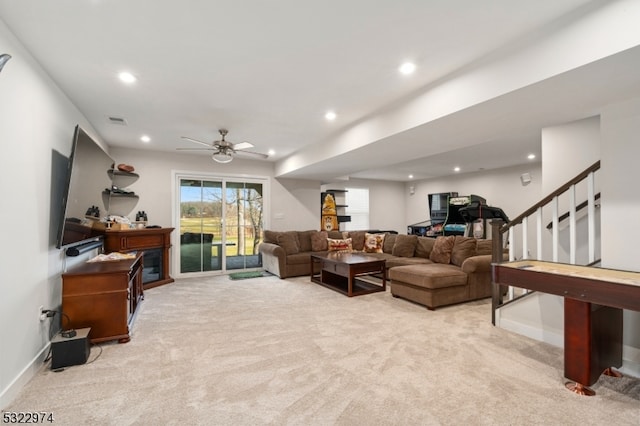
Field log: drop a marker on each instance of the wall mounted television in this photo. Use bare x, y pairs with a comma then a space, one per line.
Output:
87, 179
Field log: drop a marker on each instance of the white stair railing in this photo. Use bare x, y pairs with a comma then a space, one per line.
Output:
566, 194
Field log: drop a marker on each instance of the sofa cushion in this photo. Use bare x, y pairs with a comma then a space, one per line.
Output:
339, 245
483, 247
463, 247
373, 243
405, 245
271, 236
431, 276
357, 239
319, 241
304, 240
384, 256
394, 261
389, 242
298, 259
442, 248
337, 235
424, 247
289, 242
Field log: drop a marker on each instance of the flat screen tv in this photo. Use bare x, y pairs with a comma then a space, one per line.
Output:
84, 204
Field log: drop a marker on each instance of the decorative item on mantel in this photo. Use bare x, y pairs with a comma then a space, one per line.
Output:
126, 168
141, 219
119, 223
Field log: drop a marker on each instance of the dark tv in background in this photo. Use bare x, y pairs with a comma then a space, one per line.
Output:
87, 179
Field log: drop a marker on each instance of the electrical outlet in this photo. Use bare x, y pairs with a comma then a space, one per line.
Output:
42, 315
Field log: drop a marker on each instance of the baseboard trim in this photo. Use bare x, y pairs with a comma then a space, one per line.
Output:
630, 355
548, 336
12, 390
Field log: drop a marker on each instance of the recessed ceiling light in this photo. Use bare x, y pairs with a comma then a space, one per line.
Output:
330, 115
410, 176
407, 68
456, 169
271, 152
127, 77
145, 138
531, 156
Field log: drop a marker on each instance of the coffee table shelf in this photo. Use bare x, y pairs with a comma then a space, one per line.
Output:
344, 272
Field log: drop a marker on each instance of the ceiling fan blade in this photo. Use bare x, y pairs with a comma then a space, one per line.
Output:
196, 141
251, 153
242, 145
211, 148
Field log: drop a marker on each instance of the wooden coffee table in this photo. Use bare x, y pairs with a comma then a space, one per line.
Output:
343, 272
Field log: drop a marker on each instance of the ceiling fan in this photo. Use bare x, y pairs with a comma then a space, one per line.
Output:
223, 150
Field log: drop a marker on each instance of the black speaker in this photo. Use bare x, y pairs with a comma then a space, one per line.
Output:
67, 351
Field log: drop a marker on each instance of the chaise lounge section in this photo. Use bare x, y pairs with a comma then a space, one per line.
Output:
432, 272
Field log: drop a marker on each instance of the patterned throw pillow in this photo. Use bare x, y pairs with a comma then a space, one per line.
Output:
339, 245
373, 243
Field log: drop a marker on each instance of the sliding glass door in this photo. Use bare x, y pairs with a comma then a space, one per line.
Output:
220, 224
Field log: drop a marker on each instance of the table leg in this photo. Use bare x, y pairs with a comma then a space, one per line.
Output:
592, 343
350, 283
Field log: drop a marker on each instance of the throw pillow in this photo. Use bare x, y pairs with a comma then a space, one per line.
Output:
373, 243
289, 242
337, 235
339, 245
424, 247
405, 245
463, 247
357, 238
319, 241
389, 241
484, 247
442, 248
271, 236
304, 240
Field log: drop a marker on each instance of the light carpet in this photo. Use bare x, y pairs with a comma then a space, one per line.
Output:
213, 351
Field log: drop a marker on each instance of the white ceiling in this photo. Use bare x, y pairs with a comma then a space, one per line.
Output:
269, 70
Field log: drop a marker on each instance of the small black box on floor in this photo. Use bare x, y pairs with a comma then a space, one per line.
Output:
67, 351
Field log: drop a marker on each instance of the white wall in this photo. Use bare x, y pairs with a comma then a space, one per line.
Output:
36, 119
291, 203
620, 126
386, 202
578, 141
501, 188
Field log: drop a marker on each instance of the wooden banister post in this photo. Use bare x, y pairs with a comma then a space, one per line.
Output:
497, 253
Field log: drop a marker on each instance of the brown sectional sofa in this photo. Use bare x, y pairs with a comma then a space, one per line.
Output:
428, 271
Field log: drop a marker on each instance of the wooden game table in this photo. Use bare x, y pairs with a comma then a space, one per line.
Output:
593, 302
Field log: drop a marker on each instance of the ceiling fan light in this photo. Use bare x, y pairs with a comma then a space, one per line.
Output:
222, 157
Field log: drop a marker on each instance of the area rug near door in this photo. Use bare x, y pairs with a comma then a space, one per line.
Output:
248, 274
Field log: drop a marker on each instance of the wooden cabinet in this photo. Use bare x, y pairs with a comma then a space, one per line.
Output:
103, 296
154, 242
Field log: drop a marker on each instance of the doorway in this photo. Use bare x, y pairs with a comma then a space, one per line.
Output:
220, 223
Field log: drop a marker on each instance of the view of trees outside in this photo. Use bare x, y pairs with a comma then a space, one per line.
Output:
201, 212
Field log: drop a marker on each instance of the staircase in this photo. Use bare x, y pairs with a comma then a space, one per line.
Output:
559, 241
